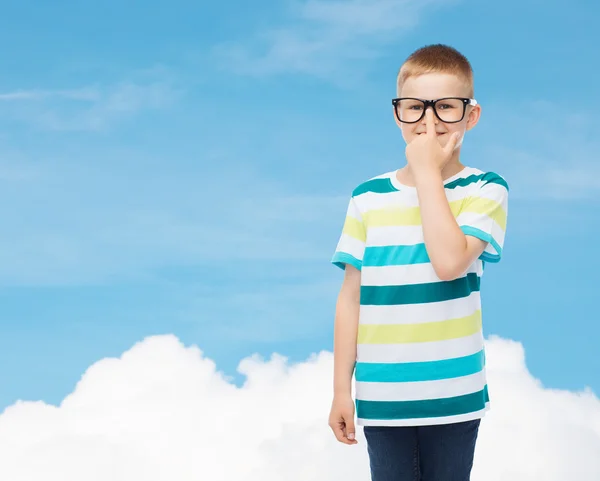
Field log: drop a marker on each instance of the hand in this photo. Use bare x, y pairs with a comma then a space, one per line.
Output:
341, 419
425, 153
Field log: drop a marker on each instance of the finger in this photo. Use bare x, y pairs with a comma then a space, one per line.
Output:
452, 143
351, 431
338, 431
430, 123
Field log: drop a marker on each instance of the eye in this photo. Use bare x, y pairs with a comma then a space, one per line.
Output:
445, 106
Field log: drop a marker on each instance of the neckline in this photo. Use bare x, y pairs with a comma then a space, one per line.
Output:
400, 186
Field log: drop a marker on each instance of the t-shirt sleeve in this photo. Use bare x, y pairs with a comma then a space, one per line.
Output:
351, 245
484, 215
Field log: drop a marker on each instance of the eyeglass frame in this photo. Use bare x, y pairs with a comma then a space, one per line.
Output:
431, 103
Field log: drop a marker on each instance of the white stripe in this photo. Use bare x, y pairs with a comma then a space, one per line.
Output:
406, 274
418, 313
492, 191
353, 211
417, 391
351, 246
460, 192
397, 234
400, 199
421, 351
424, 421
498, 234
375, 201
475, 219
411, 235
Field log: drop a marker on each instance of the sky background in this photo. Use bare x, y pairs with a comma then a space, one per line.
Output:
184, 168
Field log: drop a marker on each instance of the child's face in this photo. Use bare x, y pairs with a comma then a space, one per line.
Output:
434, 86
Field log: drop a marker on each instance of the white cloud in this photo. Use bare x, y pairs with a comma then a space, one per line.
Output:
162, 412
92, 107
322, 36
86, 93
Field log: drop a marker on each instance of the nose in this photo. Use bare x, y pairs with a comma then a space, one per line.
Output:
435, 119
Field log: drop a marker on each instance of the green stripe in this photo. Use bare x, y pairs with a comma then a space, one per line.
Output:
378, 186
488, 178
493, 178
395, 255
420, 371
464, 181
431, 408
419, 293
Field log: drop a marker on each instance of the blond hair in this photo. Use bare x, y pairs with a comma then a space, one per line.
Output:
436, 58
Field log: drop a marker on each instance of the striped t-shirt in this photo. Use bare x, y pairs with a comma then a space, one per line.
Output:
420, 347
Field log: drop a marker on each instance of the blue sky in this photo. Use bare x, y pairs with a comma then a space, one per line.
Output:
184, 167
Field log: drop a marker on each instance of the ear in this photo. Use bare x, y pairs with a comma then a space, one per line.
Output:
398, 123
473, 117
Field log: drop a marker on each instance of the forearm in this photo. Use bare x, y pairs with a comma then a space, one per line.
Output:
445, 242
345, 336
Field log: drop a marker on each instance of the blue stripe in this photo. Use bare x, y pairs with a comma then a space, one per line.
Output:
484, 236
486, 256
420, 371
340, 259
431, 408
395, 255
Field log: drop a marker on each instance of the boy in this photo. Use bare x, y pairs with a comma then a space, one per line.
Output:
408, 318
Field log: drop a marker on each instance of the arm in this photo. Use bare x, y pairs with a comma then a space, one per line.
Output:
450, 251
348, 256
341, 417
345, 332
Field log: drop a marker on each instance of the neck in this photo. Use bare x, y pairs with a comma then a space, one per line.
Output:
454, 166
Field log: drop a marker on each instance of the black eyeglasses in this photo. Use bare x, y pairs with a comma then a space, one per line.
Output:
449, 110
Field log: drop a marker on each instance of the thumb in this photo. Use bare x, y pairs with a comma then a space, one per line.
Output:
350, 429
453, 142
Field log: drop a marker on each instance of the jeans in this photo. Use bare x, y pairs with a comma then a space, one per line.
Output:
422, 453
